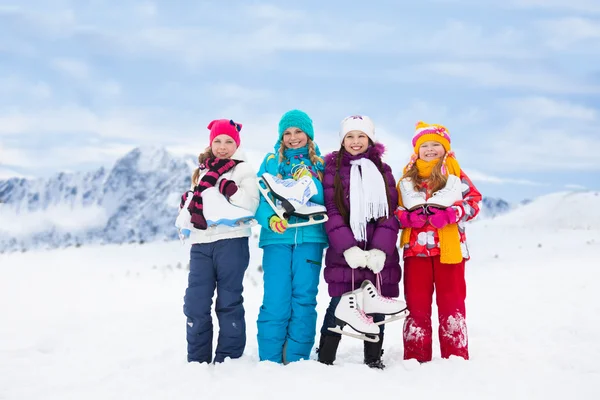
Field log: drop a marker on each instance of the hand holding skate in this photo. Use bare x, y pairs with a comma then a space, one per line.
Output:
356, 257
277, 224
227, 187
440, 218
375, 260
443, 198
412, 219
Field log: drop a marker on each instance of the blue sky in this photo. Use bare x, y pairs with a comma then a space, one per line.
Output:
517, 82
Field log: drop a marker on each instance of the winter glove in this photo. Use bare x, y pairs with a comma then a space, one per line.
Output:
277, 224
440, 218
356, 257
412, 219
227, 187
375, 260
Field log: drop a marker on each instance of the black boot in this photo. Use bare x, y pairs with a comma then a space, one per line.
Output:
373, 353
328, 345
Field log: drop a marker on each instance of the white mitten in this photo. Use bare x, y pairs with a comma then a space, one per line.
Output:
375, 260
356, 257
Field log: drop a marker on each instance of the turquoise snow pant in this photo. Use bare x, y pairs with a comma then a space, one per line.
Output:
287, 319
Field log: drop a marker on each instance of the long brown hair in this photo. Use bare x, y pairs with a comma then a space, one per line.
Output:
201, 158
435, 182
339, 188
312, 155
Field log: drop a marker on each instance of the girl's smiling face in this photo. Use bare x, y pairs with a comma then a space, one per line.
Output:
431, 150
294, 138
356, 142
223, 146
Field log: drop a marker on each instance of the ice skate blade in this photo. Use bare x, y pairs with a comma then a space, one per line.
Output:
360, 336
246, 222
394, 317
311, 220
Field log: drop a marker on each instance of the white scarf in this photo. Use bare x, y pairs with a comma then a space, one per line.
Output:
367, 196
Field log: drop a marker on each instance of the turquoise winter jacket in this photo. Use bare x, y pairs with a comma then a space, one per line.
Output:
304, 234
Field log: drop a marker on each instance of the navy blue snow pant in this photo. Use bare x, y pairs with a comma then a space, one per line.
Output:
219, 265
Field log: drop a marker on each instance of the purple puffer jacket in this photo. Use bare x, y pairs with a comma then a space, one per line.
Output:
381, 235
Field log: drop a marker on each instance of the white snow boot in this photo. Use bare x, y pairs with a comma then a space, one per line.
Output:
219, 211
375, 303
349, 312
448, 195
411, 198
292, 194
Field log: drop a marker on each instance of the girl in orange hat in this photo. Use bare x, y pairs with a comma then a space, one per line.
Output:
435, 199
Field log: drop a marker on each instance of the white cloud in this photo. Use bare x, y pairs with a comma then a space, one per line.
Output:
488, 74
146, 10
563, 33
588, 6
15, 86
520, 145
235, 92
575, 187
546, 108
478, 176
136, 124
73, 68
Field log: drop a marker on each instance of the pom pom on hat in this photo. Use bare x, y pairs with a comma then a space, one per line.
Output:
225, 127
299, 119
360, 123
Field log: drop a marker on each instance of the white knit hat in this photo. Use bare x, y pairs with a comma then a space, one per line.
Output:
357, 123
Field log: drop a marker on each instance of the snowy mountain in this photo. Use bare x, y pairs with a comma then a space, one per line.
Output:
563, 210
492, 207
136, 200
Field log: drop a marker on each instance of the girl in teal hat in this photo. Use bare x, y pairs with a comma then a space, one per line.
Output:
291, 256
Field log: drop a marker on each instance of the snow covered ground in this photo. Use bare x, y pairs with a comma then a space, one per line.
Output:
101, 322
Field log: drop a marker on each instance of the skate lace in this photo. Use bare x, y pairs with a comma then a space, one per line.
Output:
385, 299
298, 170
364, 316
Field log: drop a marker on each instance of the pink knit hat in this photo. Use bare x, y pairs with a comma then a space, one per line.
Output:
225, 127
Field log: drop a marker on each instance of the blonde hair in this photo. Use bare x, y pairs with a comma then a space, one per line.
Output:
312, 155
201, 158
435, 181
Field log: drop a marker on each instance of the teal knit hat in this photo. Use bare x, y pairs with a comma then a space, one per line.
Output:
298, 119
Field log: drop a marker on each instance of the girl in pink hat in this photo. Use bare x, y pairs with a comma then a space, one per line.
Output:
219, 255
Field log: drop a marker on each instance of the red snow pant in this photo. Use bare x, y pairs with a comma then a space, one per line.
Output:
421, 275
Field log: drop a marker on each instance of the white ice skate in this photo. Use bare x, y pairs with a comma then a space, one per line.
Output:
291, 198
411, 199
183, 223
448, 195
349, 312
374, 303
219, 211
